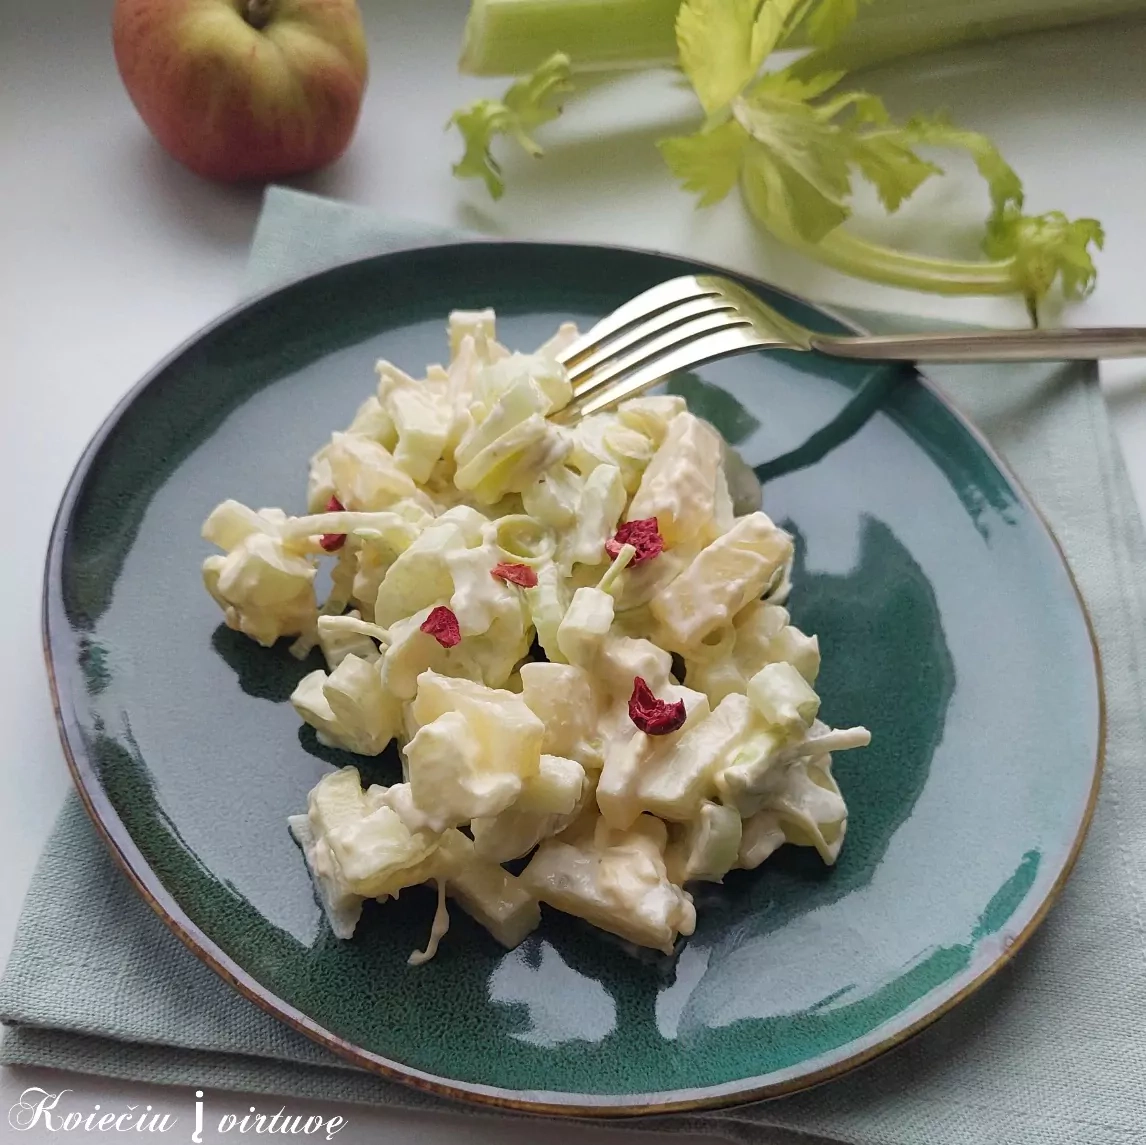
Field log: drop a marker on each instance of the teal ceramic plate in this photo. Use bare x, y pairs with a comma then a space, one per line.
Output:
949, 623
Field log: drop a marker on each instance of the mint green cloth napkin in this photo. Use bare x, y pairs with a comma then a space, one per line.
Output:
1050, 1052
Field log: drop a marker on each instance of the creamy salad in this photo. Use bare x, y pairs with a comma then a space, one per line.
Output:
574, 635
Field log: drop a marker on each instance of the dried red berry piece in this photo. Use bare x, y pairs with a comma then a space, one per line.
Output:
443, 626
643, 535
332, 542
654, 717
521, 575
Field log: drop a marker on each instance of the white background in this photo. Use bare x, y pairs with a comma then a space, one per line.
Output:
110, 255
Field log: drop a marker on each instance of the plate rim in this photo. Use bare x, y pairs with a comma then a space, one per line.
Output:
55, 632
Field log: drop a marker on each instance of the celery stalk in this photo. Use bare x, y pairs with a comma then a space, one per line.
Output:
511, 37
886, 30
796, 144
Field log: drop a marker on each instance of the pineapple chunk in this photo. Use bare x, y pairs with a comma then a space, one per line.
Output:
342, 908
341, 636
732, 571
618, 882
336, 800
264, 591
503, 726
555, 789
679, 487
361, 847
490, 895
728, 658
547, 803
450, 777
378, 855
473, 749
349, 708
620, 788
562, 697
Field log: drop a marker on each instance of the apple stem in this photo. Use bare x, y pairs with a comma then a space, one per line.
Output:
257, 13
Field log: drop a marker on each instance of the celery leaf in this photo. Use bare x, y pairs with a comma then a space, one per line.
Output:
530, 102
715, 42
884, 153
722, 44
1044, 248
786, 84
1003, 184
707, 163
785, 201
830, 19
798, 163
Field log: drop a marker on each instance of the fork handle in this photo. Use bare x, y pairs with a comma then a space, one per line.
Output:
991, 345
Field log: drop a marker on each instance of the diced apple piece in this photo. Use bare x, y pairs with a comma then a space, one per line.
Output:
585, 626
709, 846
783, 698
761, 834
801, 651
676, 783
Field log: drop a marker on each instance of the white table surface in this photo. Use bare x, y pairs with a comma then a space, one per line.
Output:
110, 255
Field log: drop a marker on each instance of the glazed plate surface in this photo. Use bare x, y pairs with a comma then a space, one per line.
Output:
948, 621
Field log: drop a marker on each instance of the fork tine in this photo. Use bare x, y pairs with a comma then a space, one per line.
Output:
651, 302
732, 339
637, 333
656, 347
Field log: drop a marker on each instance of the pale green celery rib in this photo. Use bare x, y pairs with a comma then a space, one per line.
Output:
863, 259
890, 29
511, 37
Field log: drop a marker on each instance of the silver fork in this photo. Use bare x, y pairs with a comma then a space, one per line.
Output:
697, 318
